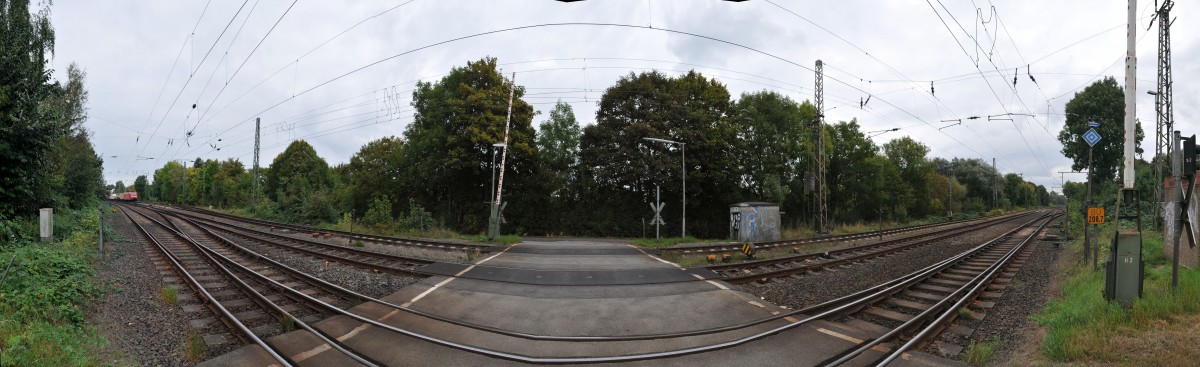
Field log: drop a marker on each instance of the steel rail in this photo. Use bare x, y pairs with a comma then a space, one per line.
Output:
213, 256
733, 246
802, 257
423, 243
937, 236
963, 294
316, 253
561, 360
226, 317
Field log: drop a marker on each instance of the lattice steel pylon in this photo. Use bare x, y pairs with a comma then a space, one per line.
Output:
257, 126
821, 210
1164, 110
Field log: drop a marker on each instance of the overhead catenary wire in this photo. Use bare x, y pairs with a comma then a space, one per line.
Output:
309, 52
182, 46
543, 25
989, 84
192, 73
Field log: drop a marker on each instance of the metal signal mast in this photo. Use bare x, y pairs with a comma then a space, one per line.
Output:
1163, 108
822, 208
1162, 96
257, 126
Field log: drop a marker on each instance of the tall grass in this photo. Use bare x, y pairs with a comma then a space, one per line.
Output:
1082, 326
42, 300
665, 242
978, 354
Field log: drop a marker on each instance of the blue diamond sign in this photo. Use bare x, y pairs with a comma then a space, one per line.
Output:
1091, 137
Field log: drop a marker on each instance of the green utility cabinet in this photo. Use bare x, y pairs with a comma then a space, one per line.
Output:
1124, 271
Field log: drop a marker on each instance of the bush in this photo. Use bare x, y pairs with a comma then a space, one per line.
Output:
43, 297
379, 213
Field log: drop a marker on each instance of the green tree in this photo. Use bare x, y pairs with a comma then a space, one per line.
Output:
140, 185
377, 170
774, 144
908, 156
447, 155
28, 130
849, 179
1102, 102
299, 181
619, 170
558, 139
379, 214
118, 187
168, 182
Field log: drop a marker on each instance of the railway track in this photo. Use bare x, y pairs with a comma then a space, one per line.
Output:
428, 244
909, 312
266, 275
808, 242
370, 260
250, 309
764, 270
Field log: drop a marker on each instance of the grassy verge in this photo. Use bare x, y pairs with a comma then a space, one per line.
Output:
385, 230
43, 297
978, 354
1083, 327
670, 241
501, 240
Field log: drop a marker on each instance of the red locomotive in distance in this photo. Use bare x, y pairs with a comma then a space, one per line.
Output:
124, 196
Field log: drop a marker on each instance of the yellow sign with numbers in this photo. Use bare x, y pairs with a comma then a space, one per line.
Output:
1095, 215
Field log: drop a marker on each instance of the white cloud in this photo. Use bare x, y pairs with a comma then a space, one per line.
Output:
128, 49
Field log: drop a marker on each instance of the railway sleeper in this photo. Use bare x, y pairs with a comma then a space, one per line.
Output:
916, 306
888, 314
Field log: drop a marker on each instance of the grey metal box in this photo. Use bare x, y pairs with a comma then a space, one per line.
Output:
1124, 272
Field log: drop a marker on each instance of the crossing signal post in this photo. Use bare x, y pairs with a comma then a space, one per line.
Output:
1091, 137
657, 207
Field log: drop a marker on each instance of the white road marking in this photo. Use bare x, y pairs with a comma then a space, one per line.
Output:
309, 353
654, 257
877, 348
719, 285
427, 291
354, 332
440, 284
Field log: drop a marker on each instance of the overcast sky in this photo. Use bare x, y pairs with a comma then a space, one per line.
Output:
148, 62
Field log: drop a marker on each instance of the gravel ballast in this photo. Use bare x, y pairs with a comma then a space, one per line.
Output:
1008, 323
132, 314
813, 288
144, 330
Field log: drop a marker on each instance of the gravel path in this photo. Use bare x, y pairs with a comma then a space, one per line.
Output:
132, 316
812, 288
